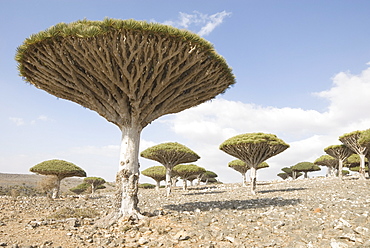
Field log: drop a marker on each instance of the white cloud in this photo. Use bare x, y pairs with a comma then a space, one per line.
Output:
17, 121
307, 131
198, 21
21, 122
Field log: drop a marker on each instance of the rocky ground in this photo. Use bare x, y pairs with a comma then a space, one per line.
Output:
321, 212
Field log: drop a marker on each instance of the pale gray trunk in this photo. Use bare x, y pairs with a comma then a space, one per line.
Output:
253, 176
128, 175
244, 180
362, 166
92, 189
340, 168
294, 174
56, 189
184, 184
158, 185
168, 180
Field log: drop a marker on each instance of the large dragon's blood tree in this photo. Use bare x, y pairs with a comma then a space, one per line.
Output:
341, 153
130, 72
241, 167
351, 140
253, 149
60, 169
169, 155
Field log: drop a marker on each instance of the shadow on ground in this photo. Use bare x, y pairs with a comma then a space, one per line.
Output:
206, 193
233, 204
280, 190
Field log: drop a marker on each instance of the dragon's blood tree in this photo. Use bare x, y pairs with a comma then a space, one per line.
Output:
60, 169
341, 153
169, 155
129, 72
253, 149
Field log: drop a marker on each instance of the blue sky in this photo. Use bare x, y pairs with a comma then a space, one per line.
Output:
301, 68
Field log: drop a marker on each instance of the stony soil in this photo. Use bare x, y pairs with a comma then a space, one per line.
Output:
321, 212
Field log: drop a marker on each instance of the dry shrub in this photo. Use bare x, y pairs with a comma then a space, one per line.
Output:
67, 212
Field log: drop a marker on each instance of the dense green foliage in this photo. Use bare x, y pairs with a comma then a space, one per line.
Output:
96, 181
327, 160
346, 135
167, 148
364, 139
158, 173
254, 138
79, 189
146, 186
59, 168
305, 167
85, 29
187, 170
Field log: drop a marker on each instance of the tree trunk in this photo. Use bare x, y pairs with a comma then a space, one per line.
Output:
168, 180
253, 176
306, 174
158, 185
362, 167
126, 205
56, 188
92, 189
244, 180
294, 174
340, 168
184, 184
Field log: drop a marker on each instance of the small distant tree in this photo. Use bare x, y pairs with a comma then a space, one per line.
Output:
253, 149
241, 167
169, 155
157, 173
208, 177
283, 175
79, 189
60, 169
351, 140
290, 173
305, 167
330, 162
184, 171
94, 183
341, 153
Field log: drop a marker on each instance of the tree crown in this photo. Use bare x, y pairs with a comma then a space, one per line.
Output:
88, 29
364, 139
187, 170
254, 138
94, 180
171, 153
59, 168
305, 166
